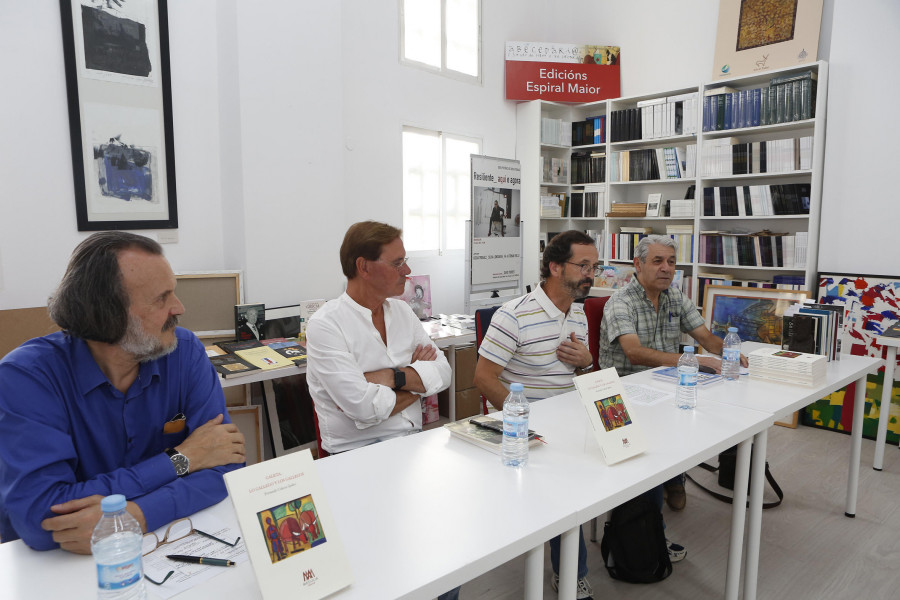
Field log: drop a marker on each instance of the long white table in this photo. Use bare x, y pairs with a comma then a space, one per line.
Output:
780, 400
422, 514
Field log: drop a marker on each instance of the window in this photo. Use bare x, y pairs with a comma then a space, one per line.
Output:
443, 35
436, 194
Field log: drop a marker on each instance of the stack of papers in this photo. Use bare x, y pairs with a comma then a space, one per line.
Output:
671, 374
787, 366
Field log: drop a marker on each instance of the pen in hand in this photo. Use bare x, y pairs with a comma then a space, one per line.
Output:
201, 560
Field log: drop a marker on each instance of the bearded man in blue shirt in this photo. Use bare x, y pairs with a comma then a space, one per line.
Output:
121, 401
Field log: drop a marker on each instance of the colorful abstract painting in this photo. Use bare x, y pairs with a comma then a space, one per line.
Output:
291, 528
871, 305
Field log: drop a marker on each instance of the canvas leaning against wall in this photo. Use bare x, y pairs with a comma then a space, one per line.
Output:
871, 305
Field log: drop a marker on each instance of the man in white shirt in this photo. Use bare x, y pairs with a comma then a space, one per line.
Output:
369, 360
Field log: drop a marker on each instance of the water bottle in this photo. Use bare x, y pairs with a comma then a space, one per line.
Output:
731, 355
686, 391
116, 546
514, 449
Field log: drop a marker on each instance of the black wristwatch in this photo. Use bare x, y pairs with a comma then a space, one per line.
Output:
179, 461
399, 379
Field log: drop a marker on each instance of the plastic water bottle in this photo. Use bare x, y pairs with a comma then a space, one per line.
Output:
731, 355
514, 449
116, 546
686, 392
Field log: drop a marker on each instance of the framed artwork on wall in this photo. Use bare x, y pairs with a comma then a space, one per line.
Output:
871, 305
120, 113
756, 312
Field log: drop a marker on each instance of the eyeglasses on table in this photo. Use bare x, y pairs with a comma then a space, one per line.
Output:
177, 530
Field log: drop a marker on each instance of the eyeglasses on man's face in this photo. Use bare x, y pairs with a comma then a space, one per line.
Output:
177, 530
587, 268
397, 264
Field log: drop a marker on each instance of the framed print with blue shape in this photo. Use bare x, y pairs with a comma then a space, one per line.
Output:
120, 113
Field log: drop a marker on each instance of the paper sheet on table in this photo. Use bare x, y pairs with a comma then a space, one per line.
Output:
187, 575
646, 395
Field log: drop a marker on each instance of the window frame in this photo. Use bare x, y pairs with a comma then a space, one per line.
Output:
443, 136
443, 69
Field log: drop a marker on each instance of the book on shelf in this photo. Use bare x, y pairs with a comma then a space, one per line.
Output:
287, 525
588, 167
556, 132
248, 321
789, 97
655, 118
231, 365
486, 432
590, 131
729, 156
756, 200
652, 164
760, 249
670, 374
611, 415
683, 209
627, 209
653, 204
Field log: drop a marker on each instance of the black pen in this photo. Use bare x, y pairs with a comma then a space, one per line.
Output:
200, 560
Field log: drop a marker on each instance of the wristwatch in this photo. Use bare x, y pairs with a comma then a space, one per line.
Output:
399, 379
583, 370
179, 461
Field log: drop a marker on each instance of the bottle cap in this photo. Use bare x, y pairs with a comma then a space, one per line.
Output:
516, 387
688, 349
732, 330
113, 503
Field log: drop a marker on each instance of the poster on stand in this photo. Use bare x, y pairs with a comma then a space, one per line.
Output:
496, 226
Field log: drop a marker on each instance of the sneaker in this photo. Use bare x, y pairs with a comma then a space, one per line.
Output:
583, 591
675, 496
677, 552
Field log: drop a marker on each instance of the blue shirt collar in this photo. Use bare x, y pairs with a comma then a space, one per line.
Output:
90, 376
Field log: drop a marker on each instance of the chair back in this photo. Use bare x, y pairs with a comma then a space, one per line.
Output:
593, 310
320, 451
482, 322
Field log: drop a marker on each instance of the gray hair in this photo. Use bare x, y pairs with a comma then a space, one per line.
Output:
643, 247
91, 302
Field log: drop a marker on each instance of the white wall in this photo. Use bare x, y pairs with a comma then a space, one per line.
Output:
861, 204
288, 116
37, 201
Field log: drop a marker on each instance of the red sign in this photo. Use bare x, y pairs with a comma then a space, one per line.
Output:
561, 82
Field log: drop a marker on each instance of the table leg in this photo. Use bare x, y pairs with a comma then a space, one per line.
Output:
754, 521
859, 408
738, 512
534, 573
568, 564
886, 390
451, 360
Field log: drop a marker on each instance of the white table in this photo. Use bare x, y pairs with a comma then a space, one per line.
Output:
886, 390
780, 400
422, 514
678, 440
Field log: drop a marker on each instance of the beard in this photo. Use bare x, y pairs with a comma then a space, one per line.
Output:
143, 346
580, 289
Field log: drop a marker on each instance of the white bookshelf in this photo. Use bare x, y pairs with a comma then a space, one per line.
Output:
529, 149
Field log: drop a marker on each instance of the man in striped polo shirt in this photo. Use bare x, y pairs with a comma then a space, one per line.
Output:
540, 341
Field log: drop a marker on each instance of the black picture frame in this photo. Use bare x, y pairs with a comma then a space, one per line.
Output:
116, 55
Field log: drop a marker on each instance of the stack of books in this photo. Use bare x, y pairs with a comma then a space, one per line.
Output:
787, 366
627, 209
486, 432
235, 359
670, 374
